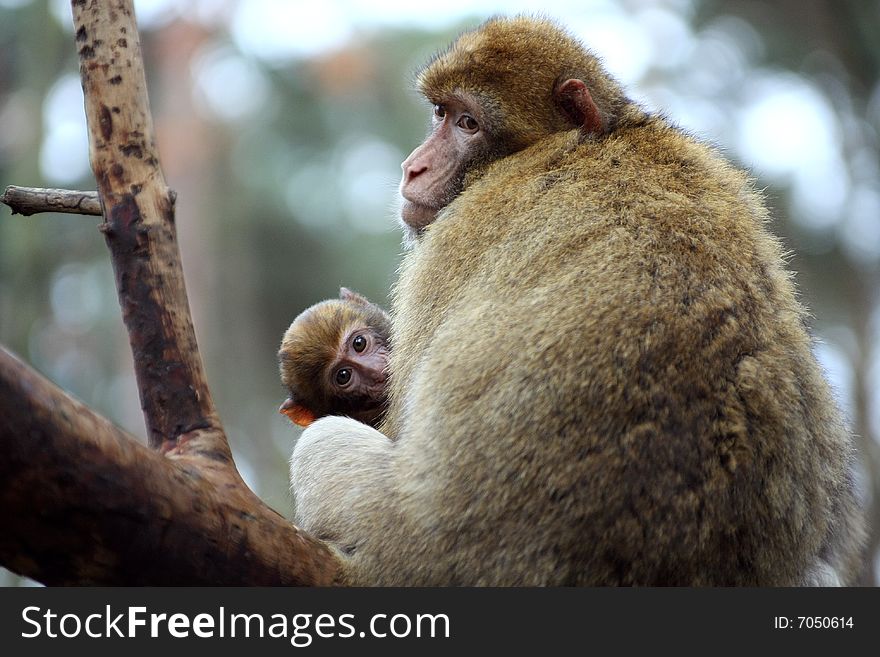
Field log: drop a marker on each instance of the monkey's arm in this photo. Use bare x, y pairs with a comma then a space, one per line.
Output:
339, 476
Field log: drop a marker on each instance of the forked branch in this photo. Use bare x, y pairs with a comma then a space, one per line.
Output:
84, 502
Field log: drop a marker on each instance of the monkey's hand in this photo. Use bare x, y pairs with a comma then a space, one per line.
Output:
339, 476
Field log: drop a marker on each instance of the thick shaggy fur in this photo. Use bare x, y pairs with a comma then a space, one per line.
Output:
601, 374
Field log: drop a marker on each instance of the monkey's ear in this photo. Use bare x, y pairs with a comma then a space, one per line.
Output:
297, 413
575, 100
347, 295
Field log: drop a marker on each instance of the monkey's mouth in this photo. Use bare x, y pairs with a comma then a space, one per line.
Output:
417, 215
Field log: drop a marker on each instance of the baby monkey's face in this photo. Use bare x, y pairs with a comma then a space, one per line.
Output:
334, 360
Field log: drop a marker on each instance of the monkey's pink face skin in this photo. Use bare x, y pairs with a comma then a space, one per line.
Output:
417, 216
433, 172
359, 373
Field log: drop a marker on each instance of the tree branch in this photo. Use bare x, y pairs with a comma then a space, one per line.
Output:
139, 225
85, 503
33, 200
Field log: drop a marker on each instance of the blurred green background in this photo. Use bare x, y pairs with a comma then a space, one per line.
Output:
281, 125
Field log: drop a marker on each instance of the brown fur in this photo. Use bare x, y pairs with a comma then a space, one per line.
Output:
504, 64
600, 371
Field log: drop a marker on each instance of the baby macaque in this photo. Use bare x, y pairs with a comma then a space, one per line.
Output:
333, 361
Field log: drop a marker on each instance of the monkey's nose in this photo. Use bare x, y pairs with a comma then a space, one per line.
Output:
411, 170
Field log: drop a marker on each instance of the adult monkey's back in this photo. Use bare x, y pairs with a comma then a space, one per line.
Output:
600, 372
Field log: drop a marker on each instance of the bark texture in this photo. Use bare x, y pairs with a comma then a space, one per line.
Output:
32, 200
82, 501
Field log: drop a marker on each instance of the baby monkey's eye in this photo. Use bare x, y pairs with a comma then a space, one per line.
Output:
359, 343
439, 111
343, 376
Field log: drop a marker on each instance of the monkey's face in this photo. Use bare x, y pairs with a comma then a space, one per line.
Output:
333, 361
357, 376
495, 92
433, 174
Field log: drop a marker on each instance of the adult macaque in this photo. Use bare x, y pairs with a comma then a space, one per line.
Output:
600, 372
333, 361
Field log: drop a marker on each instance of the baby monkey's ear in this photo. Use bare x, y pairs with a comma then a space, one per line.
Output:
297, 413
347, 295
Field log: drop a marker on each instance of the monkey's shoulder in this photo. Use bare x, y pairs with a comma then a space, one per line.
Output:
648, 218
647, 172
649, 190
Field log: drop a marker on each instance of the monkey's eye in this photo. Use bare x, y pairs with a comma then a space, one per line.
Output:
343, 376
468, 123
359, 343
439, 111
